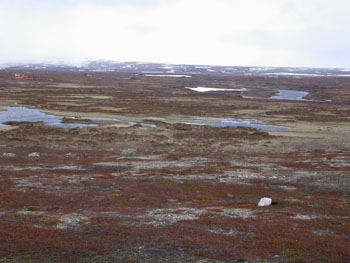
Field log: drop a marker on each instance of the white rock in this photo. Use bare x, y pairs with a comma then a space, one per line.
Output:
32, 155
265, 201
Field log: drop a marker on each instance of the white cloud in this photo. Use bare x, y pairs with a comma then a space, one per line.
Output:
231, 32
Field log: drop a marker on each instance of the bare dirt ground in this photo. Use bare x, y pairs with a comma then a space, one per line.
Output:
161, 190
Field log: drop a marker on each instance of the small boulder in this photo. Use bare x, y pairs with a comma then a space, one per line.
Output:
265, 201
33, 155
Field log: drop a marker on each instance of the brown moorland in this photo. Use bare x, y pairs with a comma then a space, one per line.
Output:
156, 187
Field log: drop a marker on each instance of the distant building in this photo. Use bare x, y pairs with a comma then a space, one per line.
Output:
23, 76
17, 76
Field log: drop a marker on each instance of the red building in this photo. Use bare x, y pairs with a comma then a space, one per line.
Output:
17, 76
22, 76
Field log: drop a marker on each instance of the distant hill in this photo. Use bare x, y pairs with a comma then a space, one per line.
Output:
88, 65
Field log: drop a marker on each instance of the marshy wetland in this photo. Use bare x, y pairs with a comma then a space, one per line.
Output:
137, 168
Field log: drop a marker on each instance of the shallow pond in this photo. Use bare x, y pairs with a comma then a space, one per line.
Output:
290, 95
230, 122
19, 114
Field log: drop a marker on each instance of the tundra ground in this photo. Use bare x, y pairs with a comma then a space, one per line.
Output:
155, 189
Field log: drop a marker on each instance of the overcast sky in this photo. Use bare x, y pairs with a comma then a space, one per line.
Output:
314, 33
